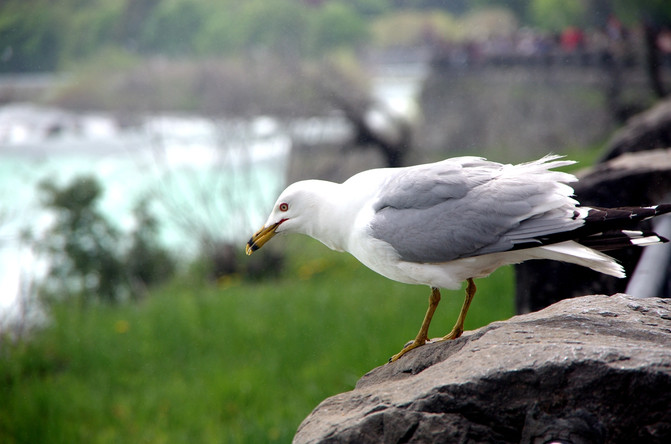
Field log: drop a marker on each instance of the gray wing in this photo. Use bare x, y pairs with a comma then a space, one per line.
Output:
467, 207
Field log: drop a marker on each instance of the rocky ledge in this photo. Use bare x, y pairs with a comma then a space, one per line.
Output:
593, 369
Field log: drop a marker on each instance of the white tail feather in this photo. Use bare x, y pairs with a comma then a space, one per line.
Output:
639, 239
575, 253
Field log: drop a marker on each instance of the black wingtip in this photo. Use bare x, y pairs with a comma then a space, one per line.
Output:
662, 209
597, 215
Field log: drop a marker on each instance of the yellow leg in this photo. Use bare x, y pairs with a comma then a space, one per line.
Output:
423, 334
458, 328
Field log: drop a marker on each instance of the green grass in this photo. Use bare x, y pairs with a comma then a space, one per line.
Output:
584, 156
234, 362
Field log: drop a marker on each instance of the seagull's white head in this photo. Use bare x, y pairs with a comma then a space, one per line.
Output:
297, 210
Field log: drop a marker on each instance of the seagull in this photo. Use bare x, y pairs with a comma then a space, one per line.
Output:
443, 223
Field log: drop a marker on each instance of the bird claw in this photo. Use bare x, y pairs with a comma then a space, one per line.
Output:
454, 334
410, 345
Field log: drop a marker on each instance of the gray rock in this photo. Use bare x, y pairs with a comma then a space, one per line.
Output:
586, 370
648, 130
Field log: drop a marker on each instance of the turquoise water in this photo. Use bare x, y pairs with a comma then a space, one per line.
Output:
199, 187
204, 178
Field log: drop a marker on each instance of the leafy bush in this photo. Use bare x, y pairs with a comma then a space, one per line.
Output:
147, 263
85, 251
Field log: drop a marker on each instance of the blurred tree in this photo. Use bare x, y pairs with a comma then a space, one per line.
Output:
147, 262
132, 21
336, 25
91, 26
518, 7
633, 12
453, 6
487, 23
220, 34
370, 8
87, 257
411, 28
276, 25
172, 27
31, 37
556, 15
82, 244
654, 15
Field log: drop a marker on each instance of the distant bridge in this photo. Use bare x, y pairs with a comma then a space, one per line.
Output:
557, 58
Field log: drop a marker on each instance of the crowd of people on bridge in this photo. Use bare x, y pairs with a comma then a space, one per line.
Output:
614, 40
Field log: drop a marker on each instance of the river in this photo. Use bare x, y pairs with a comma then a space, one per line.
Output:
203, 177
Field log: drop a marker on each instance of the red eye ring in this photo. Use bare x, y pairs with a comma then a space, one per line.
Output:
284, 206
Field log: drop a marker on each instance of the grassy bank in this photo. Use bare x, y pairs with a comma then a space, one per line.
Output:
234, 362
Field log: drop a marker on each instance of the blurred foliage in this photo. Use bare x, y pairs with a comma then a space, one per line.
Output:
555, 15
82, 244
657, 12
486, 23
411, 28
414, 28
224, 261
242, 86
43, 35
46, 35
146, 262
88, 257
336, 26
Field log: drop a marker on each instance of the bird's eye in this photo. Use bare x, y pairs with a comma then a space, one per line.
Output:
284, 206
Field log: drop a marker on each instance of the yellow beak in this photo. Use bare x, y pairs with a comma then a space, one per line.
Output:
261, 237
